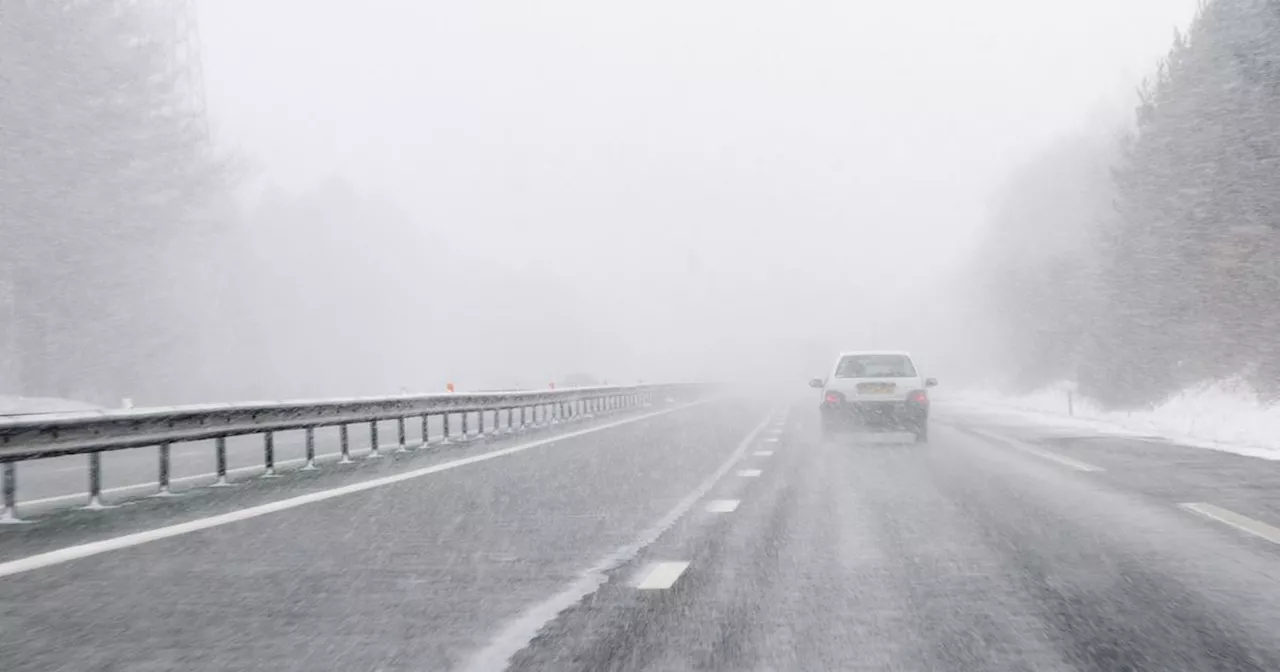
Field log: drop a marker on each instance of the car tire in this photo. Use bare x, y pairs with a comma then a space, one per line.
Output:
922, 433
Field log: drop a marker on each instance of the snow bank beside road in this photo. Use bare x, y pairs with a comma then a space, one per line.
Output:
1223, 415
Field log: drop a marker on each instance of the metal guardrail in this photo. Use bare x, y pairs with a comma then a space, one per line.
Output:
94, 432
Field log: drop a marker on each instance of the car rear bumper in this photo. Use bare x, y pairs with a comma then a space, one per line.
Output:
875, 413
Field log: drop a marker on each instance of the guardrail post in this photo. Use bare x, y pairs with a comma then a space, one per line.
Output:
9, 488
466, 436
373, 442
269, 454
220, 457
425, 421
446, 429
523, 417
164, 472
511, 416
344, 440
95, 483
481, 422
404, 446
311, 449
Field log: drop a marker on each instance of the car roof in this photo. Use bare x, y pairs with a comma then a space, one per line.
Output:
904, 353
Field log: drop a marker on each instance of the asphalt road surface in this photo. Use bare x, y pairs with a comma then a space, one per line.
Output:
718, 536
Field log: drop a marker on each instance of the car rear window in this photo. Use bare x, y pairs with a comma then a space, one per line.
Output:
875, 366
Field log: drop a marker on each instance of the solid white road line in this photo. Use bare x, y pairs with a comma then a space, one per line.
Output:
750, 473
1243, 523
1043, 454
1060, 459
763, 453
520, 631
662, 576
70, 553
208, 477
723, 505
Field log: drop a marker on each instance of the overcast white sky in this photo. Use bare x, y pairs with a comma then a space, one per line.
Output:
742, 153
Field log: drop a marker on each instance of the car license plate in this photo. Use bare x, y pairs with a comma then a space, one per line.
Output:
876, 388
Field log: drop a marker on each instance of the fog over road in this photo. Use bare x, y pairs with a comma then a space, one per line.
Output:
722, 535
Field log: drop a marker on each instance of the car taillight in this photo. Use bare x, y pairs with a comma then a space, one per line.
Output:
918, 397
834, 397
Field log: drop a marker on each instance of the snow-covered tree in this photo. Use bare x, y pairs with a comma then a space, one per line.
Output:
104, 164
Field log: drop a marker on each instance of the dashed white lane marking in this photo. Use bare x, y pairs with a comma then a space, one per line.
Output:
1243, 523
61, 555
517, 634
763, 453
662, 576
772, 439
723, 505
750, 473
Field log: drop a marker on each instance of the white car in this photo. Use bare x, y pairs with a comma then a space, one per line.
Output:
875, 389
